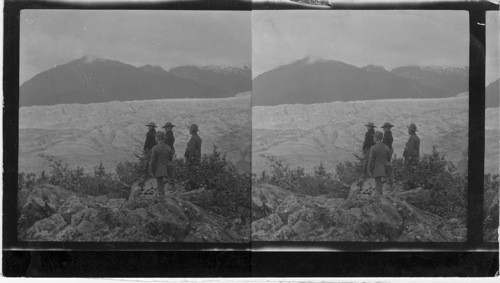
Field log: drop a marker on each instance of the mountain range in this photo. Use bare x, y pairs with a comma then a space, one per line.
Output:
309, 80
230, 79
312, 80
93, 80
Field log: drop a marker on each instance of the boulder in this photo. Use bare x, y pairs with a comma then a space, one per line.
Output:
266, 227
54, 214
200, 197
289, 205
43, 201
265, 199
22, 196
360, 217
143, 188
45, 229
73, 205
491, 224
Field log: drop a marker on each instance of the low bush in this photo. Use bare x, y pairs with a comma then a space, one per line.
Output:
99, 182
445, 188
319, 182
350, 171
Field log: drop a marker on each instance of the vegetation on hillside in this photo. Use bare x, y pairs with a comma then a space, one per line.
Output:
444, 188
230, 189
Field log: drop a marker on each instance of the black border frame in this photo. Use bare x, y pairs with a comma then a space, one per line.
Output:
245, 263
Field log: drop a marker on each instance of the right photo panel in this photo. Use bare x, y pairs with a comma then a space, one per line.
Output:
360, 126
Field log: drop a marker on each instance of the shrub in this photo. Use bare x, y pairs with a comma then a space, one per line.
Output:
130, 171
231, 190
350, 171
26, 181
319, 182
76, 180
445, 188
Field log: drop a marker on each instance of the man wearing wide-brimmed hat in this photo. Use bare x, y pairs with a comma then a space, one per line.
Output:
412, 155
193, 155
169, 135
412, 148
160, 164
368, 143
378, 160
388, 140
149, 143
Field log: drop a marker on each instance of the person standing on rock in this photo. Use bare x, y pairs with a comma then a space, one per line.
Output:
160, 165
368, 143
378, 160
388, 140
149, 143
412, 155
169, 135
193, 155
412, 148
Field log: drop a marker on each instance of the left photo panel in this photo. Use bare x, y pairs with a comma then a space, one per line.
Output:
134, 126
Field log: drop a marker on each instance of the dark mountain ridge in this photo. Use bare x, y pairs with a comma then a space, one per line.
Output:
232, 80
93, 80
309, 81
451, 80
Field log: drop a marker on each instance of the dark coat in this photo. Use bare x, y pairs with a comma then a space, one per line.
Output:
193, 150
412, 149
150, 140
388, 140
368, 143
161, 160
170, 139
379, 158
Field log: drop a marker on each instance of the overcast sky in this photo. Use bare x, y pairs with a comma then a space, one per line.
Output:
492, 46
174, 38
164, 38
386, 38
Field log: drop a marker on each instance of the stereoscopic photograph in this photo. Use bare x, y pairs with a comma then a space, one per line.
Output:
134, 126
360, 127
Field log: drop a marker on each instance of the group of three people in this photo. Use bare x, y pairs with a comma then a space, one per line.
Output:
159, 152
377, 148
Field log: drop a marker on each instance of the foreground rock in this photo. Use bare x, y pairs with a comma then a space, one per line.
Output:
491, 224
285, 216
54, 214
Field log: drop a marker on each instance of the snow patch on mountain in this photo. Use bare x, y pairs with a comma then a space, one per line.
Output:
89, 59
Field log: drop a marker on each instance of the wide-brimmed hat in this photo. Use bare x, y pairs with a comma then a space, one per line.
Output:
370, 125
151, 124
168, 124
194, 128
387, 125
412, 127
160, 135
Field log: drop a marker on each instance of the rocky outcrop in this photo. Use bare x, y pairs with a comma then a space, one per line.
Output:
54, 214
285, 216
491, 224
